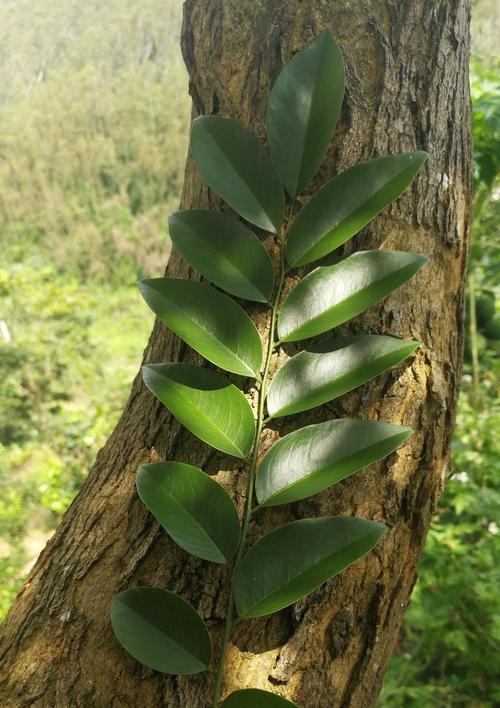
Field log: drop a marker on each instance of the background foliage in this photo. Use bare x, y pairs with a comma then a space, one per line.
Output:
94, 115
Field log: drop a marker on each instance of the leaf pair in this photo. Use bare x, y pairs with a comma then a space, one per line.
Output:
303, 109
164, 632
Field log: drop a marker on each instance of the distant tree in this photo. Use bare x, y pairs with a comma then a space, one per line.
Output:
407, 88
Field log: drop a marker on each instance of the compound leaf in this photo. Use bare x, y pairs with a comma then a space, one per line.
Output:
192, 508
303, 109
293, 560
206, 403
161, 630
331, 368
209, 321
237, 166
347, 203
225, 251
313, 458
331, 295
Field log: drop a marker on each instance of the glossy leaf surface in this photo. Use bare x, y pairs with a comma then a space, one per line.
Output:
331, 368
161, 630
303, 109
293, 560
347, 203
209, 321
237, 166
206, 403
313, 458
192, 508
331, 295
255, 698
225, 251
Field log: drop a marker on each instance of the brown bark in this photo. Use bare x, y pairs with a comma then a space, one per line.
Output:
407, 88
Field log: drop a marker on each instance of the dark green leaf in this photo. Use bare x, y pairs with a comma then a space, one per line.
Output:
192, 508
206, 403
209, 321
293, 560
347, 203
331, 295
224, 251
303, 109
311, 459
237, 166
331, 368
161, 630
255, 698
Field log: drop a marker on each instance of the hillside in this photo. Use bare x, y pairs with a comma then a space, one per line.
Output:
94, 114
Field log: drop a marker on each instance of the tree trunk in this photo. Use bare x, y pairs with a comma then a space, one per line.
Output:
407, 88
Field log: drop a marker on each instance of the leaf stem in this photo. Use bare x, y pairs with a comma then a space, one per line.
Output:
247, 513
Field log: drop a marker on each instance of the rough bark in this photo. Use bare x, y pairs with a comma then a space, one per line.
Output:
407, 88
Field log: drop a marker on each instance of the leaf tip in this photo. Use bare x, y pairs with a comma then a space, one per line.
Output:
406, 432
381, 529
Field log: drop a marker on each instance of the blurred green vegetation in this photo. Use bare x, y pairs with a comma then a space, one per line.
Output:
94, 114
93, 132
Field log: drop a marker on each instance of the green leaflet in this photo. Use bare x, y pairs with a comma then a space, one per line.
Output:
161, 630
192, 508
303, 109
237, 166
293, 560
331, 368
331, 295
225, 251
255, 698
209, 321
313, 458
206, 403
347, 203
